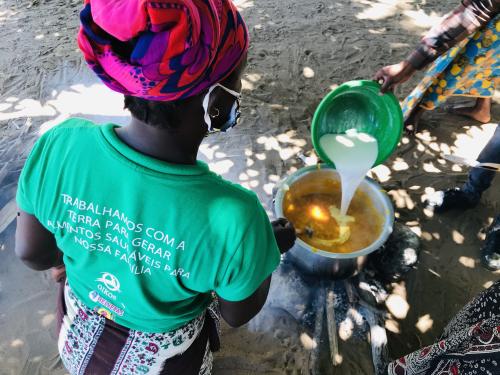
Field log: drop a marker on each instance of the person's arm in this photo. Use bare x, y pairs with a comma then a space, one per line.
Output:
464, 20
240, 312
35, 245
454, 27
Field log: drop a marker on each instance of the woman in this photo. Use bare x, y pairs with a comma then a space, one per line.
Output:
464, 50
154, 244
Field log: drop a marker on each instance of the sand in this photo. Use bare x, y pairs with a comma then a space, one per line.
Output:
300, 50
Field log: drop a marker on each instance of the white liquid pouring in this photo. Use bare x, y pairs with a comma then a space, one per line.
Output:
354, 155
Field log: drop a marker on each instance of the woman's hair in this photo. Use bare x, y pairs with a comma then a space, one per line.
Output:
164, 115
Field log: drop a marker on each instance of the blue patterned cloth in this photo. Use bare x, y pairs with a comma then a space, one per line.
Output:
472, 68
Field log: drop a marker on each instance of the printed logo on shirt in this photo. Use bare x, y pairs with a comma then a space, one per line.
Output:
95, 297
107, 314
110, 281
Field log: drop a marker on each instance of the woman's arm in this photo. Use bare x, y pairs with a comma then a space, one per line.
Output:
453, 28
35, 245
464, 20
240, 312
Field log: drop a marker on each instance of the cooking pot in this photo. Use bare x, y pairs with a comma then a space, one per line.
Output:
320, 263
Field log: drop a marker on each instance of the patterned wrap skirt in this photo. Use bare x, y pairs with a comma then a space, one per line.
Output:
90, 344
470, 344
472, 68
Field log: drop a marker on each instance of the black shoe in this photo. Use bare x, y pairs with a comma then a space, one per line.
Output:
452, 199
490, 252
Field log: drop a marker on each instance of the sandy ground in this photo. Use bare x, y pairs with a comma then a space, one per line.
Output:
300, 50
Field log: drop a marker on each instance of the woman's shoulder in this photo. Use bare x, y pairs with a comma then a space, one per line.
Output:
73, 123
69, 133
232, 195
69, 127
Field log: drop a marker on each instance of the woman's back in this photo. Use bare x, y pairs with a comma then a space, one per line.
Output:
144, 241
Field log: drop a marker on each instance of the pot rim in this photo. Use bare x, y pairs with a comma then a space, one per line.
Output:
367, 182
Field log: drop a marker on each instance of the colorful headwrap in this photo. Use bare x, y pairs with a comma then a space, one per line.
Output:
177, 48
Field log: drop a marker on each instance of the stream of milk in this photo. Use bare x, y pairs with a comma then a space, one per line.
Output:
354, 154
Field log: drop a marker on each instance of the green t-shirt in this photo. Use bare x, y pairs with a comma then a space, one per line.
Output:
145, 242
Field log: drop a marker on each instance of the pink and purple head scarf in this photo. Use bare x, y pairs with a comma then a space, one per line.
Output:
174, 48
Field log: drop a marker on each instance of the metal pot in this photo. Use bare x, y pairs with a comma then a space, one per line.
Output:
317, 262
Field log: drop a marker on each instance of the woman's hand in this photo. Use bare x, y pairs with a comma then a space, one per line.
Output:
284, 232
392, 75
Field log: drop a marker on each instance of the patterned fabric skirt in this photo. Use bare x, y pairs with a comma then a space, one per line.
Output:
470, 344
470, 69
91, 344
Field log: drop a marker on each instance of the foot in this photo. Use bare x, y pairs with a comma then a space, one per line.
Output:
490, 252
451, 199
481, 111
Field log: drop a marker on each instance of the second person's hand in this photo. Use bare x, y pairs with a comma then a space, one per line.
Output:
392, 75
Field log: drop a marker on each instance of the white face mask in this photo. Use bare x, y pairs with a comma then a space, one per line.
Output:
234, 114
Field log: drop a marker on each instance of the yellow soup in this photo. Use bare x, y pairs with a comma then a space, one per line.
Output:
310, 204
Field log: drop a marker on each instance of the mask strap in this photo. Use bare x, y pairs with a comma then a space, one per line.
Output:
232, 92
206, 99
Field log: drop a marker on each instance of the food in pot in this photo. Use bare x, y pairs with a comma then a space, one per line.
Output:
312, 206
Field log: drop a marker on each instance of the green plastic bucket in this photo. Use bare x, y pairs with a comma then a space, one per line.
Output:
359, 105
